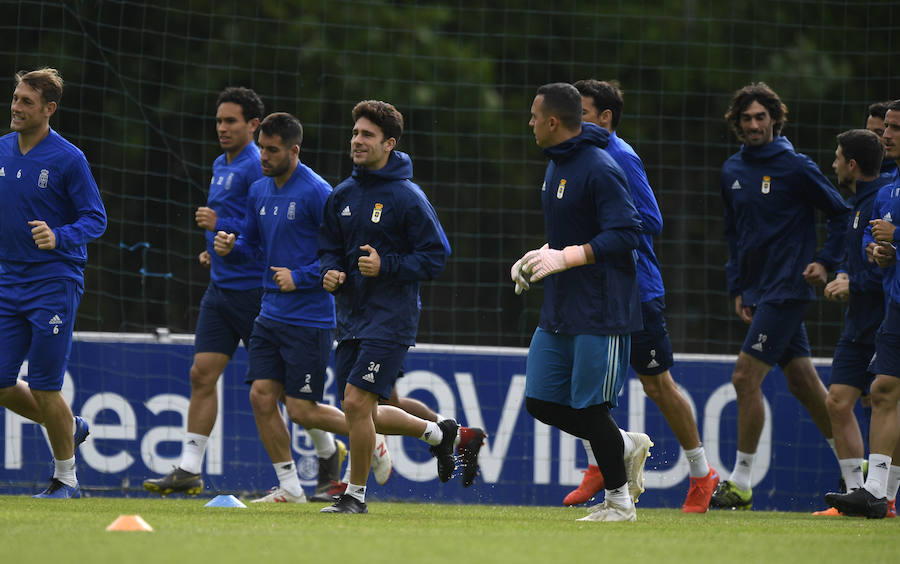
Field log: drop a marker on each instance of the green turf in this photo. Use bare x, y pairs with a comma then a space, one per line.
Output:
74, 531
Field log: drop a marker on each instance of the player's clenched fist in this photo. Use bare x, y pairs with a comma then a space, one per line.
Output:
223, 243
206, 218
333, 280
43, 235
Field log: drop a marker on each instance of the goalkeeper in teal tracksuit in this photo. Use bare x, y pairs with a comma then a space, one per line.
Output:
578, 357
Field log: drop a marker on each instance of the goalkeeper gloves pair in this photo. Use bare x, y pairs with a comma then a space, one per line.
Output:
538, 264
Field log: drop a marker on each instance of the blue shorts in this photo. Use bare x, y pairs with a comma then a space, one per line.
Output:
370, 364
226, 318
887, 343
651, 349
850, 366
777, 334
576, 370
36, 322
294, 355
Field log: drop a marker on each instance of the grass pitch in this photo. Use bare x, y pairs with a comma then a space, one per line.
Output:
38, 531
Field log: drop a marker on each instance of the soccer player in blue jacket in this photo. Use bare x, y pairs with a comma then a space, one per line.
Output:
857, 165
231, 301
577, 361
51, 209
770, 195
875, 124
380, 238
884, 431
291, 340
651, 349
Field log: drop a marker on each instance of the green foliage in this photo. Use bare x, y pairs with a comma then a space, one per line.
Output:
143, 77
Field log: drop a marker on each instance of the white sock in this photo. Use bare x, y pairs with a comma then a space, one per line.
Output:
620, 496
876, 481
592, 460
192, 451
346, 478
64, 471
743, 467
893, 483
433, 434
287, 477
357, 492
833, 448
629, 443
851, 471
699, 464
324, 442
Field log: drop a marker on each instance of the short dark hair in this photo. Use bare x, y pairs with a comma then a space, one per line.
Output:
756, 92
878, 109
249, 101
384, 115
892, 107
864, 147
283, 125
45, 80
562, 100
607, 95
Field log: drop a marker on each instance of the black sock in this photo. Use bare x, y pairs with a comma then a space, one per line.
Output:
594, 423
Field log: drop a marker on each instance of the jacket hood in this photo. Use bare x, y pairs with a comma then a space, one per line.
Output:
778, 146
590, 135
398, 167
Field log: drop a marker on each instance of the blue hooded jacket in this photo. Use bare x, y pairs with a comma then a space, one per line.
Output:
586, 200
865, 307
770, 194
649, 276
887, 207
385, 209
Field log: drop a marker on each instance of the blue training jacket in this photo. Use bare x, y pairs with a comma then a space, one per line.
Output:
228, 191
586, 200
281, 228
649, 276
865, 307
770, 195
385, 209
887, 207
51, 183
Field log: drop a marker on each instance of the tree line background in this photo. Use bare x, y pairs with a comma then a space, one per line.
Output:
142, 80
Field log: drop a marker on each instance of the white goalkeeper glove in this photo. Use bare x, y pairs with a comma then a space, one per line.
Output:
545, 261
520, 277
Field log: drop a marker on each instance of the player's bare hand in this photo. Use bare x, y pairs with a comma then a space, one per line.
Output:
838, 289
204, 259
283, 278
43, 236
369, 265
870, 250
815, 274
333, 280
882, 230
206, 218
742, 311
884, 254
223, 243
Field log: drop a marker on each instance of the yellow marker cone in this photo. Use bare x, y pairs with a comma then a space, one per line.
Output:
129, 523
